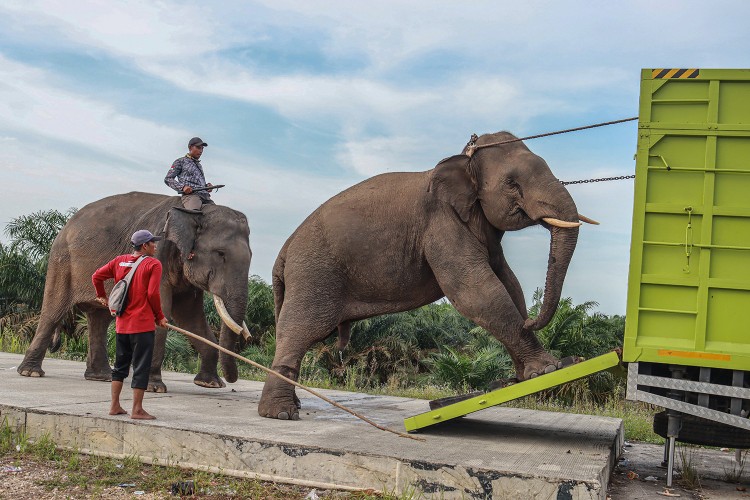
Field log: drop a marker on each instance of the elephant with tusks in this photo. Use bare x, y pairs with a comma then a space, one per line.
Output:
201, 252
399, 241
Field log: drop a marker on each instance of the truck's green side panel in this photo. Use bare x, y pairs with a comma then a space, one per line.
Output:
689, 280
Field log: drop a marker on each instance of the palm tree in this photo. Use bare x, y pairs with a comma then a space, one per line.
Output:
23, 262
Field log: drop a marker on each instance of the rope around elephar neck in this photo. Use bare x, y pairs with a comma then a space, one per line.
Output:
290, 381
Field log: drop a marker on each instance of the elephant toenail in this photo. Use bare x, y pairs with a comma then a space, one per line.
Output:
283, 416
550, 369
295, 416
534, 375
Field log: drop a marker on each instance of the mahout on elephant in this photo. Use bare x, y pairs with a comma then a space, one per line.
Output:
204, 252
398, 241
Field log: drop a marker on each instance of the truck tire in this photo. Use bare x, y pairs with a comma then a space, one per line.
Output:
704, 432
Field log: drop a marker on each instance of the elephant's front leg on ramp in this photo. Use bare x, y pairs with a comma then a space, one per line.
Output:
475, 290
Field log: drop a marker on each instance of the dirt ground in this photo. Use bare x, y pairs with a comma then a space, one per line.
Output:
638, 476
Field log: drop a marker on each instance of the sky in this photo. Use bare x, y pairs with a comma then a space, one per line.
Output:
299, 100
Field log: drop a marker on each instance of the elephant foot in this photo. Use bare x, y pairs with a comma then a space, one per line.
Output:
279, 399
30, 370
282, 408
211, 381
156, 386
280, 411
99, 375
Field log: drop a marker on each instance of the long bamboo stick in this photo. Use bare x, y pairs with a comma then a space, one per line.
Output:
290, 381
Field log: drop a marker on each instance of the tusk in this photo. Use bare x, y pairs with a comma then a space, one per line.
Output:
587, 220
225, 317
560, 223
245, 331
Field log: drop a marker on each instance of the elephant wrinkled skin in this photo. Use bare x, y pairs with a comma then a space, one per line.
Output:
399, 241
218, 239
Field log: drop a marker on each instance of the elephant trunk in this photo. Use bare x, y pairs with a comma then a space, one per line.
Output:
233, 309
562, 244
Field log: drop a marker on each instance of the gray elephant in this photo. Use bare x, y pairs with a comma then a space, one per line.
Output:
205, 252
399, 241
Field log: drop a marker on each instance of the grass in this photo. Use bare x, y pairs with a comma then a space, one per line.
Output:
734, 475
689, 475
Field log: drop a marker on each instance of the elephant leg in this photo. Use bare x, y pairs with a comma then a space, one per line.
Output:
155, 383
97, 362
511, 284
187, 311
293, 339
469, 282
54, 308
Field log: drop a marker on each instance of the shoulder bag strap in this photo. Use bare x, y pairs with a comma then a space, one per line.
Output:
128, 277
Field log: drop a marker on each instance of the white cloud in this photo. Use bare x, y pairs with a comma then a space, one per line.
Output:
133, 28
30, 104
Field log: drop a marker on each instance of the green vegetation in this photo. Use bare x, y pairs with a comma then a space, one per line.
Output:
430, 352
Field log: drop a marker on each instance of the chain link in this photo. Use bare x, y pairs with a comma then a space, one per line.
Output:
603, 179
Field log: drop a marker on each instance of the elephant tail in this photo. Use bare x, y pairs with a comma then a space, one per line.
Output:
278, 282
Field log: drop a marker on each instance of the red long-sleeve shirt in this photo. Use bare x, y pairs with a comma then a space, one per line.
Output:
143, 308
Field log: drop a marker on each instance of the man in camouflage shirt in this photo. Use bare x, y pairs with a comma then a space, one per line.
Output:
186, 175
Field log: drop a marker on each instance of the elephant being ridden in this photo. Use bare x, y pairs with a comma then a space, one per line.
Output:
398, 241
204, 252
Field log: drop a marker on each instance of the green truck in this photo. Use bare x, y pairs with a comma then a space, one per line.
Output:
687, 334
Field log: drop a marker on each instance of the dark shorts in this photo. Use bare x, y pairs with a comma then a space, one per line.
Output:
138, 349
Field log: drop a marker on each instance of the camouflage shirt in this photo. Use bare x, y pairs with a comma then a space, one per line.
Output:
186, 171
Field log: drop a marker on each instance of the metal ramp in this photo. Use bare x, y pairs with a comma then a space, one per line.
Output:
515, 391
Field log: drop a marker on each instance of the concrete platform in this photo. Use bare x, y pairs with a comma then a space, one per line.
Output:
496, 453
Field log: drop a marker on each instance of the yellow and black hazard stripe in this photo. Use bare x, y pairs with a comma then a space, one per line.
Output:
660, 73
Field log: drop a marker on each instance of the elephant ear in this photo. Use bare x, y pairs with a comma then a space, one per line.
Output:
452, 182
182, 229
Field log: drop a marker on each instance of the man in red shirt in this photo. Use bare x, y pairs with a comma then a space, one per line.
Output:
136, 326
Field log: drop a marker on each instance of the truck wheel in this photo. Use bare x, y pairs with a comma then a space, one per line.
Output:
705, 432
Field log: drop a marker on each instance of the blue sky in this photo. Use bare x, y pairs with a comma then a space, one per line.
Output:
301, 99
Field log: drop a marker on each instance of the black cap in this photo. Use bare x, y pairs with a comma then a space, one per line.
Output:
196, 141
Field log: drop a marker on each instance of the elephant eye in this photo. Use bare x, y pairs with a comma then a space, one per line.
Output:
221, 253
512, 184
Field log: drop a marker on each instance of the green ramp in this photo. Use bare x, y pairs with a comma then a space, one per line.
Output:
515, 391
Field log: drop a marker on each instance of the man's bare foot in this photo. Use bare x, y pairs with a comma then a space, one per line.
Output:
118, 410
142, 415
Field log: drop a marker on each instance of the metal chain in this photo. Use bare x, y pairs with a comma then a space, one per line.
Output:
586, 181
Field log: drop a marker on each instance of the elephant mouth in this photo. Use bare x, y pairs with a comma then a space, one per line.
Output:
227, 319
